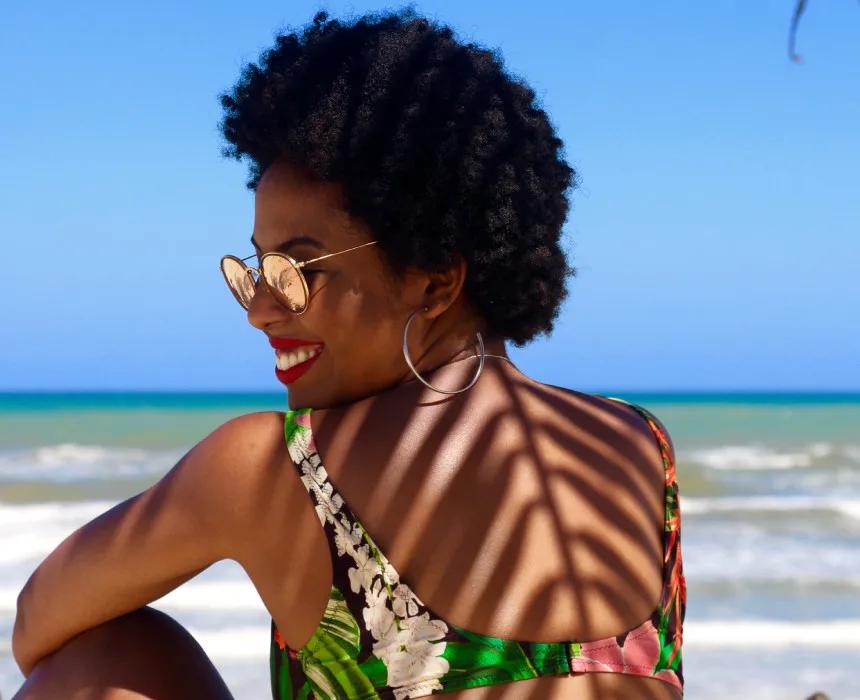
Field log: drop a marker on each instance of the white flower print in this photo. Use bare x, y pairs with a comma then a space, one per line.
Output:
381, 624
420, 662
403, 601
392, 578
299, 446
406, 639
346, 540
366, 568
323, 513
421, 629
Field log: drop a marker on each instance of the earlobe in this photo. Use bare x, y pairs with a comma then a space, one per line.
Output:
443, 288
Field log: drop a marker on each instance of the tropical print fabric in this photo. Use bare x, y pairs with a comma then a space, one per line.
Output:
377, 639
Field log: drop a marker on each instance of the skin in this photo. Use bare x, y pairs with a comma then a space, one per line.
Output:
516, 510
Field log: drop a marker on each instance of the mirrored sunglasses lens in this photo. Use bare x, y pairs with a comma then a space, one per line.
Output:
286, 282
238, 280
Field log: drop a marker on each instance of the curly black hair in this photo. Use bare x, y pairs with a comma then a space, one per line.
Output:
438, 149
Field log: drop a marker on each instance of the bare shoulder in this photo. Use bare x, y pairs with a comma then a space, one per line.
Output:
640, 420
617, 431
606, 466
232, 472
244, 444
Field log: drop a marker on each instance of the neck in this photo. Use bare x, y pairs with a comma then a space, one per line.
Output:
448, 340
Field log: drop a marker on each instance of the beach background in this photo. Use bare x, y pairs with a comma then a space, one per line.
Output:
714, 231
770, 490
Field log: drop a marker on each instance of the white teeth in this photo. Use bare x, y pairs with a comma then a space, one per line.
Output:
284, 359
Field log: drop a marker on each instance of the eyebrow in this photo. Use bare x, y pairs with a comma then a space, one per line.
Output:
298, 240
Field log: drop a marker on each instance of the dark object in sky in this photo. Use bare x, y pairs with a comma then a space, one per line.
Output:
792, 33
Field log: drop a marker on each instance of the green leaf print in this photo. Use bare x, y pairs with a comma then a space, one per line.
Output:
375, 670
339, 622
670, 658
291, 428
329, 659
549, 659
500, 656
284, 681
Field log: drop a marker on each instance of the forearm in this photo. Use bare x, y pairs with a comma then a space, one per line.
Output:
86, 581
43, 625
204, 510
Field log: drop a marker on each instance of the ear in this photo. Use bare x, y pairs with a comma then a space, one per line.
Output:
442, 289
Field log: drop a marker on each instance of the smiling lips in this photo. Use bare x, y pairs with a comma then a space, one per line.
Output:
293, 357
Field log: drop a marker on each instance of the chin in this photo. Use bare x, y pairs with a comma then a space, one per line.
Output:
314, 398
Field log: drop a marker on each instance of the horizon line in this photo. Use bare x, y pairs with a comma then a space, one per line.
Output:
270, 392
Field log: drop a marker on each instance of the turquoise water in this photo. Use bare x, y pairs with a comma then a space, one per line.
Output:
14, 401
770, 497
181, 419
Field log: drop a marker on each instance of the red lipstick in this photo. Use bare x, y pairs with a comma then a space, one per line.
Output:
291, 375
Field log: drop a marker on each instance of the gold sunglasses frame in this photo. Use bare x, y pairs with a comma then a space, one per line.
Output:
250, 271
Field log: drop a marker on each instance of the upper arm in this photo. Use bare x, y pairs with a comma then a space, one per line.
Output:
198, 513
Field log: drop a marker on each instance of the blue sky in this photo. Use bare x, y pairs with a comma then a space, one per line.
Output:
717, 228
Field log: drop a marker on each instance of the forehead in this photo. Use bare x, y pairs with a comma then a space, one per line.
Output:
288, 203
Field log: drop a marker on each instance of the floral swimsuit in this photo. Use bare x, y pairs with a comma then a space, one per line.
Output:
378, 640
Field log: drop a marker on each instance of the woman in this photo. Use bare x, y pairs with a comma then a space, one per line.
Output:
410, 196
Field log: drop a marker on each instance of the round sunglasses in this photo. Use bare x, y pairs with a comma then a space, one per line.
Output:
279, 272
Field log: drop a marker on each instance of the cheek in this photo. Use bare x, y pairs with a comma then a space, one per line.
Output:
361, 323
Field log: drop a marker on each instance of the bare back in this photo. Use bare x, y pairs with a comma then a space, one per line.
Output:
517, 510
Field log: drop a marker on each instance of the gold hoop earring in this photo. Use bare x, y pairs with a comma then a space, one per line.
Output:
481, 355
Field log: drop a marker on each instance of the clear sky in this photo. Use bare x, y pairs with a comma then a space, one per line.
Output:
717, 228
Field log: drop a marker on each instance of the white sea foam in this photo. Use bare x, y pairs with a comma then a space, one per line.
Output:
755, 457
247, 643
29, 532
203, 596
850, 508
236, 643
192, 597
773, 634
72, 462
252, 642
852, 452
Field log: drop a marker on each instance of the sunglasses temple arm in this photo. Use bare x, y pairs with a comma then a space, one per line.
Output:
331, 255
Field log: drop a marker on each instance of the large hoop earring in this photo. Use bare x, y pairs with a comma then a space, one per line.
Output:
481, 355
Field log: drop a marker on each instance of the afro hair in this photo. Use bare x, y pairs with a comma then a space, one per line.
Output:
440, 151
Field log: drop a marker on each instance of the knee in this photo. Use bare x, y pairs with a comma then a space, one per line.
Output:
145, 654
143, 634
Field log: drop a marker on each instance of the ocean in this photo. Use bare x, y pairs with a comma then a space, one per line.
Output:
770, 500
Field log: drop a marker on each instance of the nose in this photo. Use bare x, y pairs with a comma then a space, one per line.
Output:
264, 311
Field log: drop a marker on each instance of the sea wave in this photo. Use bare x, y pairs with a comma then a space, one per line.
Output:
756, 457
773, 634
193, 597
846, 507
28, 532
251, 643
247, 643
73, 462
852, 452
